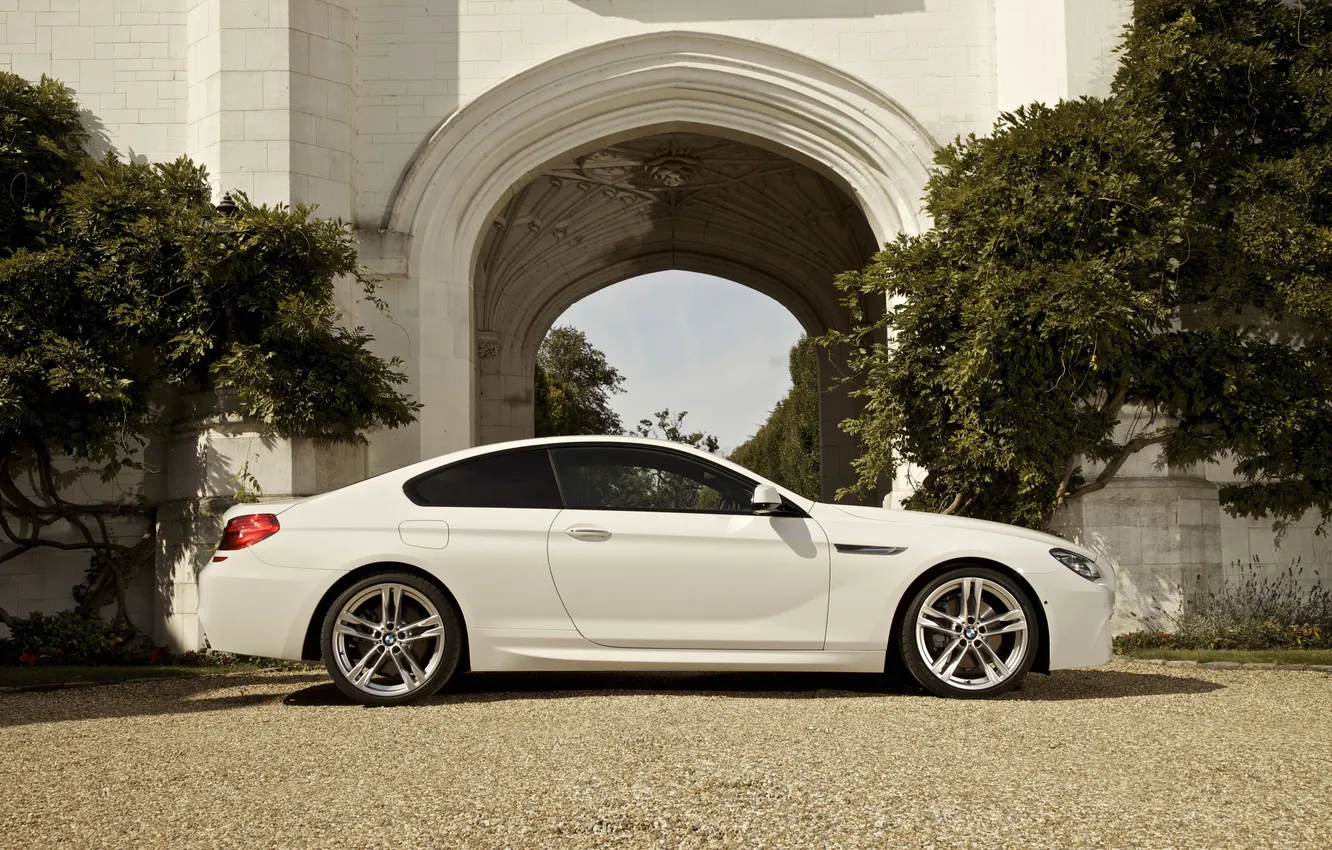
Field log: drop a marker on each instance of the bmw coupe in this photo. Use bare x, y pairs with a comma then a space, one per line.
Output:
614, 553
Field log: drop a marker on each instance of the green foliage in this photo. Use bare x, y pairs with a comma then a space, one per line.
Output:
227, 661
41, 145
574, 384
1166, 251
1259, 612
667, 426
786, 448
137, 283
66, 637
123, 288
664, 485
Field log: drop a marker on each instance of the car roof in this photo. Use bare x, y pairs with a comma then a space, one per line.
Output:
415, 469
539, 442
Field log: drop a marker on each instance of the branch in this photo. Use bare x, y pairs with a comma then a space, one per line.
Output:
1115, 402
957, 503
1062, 493
1129, 449
45, 469
19, 549
11, 491
33, 543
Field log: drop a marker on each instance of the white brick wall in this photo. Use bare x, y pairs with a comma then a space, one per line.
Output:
1070, 55
326, 101
321, 105
124, 58
419, 62
269, 96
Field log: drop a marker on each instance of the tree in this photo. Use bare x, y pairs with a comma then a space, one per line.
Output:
665, 426
574, 384
1165, 251
661, 489
786, 448
122, 287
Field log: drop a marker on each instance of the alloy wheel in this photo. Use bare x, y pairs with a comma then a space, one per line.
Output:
972, 634
388, 640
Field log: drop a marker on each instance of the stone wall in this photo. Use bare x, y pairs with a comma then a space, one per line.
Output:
42, 579
343, 103
125, 58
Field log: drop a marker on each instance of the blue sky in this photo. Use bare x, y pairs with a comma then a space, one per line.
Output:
692, 342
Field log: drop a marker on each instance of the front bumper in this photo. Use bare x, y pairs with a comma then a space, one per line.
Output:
250, 608
1078, 614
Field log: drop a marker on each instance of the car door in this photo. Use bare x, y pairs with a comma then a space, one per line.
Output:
658, 548
481, 524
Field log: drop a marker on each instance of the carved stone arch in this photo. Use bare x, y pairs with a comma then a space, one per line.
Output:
592, 103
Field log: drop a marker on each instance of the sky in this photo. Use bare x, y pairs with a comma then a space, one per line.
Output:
692, 342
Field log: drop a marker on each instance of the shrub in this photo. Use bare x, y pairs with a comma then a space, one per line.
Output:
1259, 613
212, 658
65, 637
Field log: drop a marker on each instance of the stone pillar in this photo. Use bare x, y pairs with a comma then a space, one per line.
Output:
270, 100
837, 449
270, 109
492, 413
1163, 537
506, 388
211, 455
1051, 50
1159, 526
385, 254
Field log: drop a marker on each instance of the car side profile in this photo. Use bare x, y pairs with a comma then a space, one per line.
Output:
617, 553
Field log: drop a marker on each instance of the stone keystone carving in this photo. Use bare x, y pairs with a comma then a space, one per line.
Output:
673, 168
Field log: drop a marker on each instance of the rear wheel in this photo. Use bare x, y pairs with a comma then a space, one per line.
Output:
969, 633
390, 639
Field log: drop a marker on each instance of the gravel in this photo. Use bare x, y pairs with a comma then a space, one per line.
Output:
1127, 755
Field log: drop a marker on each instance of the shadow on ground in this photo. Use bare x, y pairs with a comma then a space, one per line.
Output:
142, 699
496, 687
222, 693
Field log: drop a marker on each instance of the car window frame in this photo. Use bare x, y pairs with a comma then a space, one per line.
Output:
789, 509
409, 487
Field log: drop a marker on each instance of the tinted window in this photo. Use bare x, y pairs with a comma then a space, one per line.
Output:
630, 478
521, 479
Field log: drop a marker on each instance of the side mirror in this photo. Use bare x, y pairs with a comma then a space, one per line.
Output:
767, 500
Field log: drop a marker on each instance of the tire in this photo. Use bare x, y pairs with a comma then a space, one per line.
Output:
391, 639
982, 650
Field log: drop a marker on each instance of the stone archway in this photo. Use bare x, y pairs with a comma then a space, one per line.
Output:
479, 160
674, 200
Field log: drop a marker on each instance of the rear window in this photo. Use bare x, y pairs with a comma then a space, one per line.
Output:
519, 479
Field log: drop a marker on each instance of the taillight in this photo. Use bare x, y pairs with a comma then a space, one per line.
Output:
248, 530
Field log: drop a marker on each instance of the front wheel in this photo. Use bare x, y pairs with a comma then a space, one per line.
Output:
969, 633
390, 639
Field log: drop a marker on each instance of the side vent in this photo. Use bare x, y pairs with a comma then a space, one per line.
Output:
856, 549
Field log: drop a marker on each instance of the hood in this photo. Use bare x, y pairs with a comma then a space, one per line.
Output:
931, 520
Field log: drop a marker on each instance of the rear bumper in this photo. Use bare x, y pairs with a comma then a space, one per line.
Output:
250, 608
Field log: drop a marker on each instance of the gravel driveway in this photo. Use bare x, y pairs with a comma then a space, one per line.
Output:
1128, 755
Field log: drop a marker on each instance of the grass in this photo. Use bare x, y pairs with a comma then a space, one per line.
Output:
1248, 656
24, 675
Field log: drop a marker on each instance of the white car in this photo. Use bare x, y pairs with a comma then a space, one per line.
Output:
614, 553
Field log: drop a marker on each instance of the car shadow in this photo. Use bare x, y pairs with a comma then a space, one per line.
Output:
1097, 683
223, 693
498, 687
156, 697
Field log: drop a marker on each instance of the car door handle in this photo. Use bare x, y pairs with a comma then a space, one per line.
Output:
586, 532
